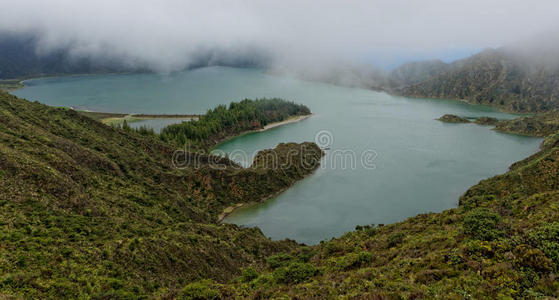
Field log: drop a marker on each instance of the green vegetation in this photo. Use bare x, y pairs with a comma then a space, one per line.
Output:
448, 118
482, 224
101, 116
200, 290
486, 121
498, 78
542, 124
89, 210
118, 120
295, 272
221, 123
10, 84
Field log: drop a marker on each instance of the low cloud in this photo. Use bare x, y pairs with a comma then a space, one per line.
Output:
170, 35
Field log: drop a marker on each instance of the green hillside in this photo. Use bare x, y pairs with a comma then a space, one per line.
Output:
88, 210
501, 78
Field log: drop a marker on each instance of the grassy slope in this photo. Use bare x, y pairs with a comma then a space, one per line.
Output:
91, 210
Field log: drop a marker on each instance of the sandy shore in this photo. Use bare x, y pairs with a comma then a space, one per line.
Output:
290, 120
267, 127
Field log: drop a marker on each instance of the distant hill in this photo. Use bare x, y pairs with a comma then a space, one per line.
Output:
19, 58
415, 72
517, 81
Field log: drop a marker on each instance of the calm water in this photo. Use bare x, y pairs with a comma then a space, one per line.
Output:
421, 165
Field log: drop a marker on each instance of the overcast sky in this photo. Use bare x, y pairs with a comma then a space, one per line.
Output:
166, 33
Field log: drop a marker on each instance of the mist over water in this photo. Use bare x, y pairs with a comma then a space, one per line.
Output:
422, 165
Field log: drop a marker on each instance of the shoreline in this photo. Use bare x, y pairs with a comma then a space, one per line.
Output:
230, 209
289, 120
21, 82
119, 118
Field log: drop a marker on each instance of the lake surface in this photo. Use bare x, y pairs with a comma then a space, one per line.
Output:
404, 161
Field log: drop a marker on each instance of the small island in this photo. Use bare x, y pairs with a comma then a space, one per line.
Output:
487, 121
449, 118
540, 125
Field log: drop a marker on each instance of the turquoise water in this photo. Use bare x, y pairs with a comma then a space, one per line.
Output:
413, 164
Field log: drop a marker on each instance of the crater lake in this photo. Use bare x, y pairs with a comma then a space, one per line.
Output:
387, 158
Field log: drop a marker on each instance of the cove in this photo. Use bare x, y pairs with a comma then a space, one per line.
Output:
420, 165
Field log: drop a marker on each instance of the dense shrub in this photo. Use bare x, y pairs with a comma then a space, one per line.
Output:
354, 260
278, 260
200, 290
482, 224
546, 238
395, 239
294, 273
533, 258
249, 274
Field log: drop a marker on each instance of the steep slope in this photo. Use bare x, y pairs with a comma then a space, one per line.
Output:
93, 211
502, 78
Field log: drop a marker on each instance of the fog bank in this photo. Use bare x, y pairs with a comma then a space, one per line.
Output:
170, 35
